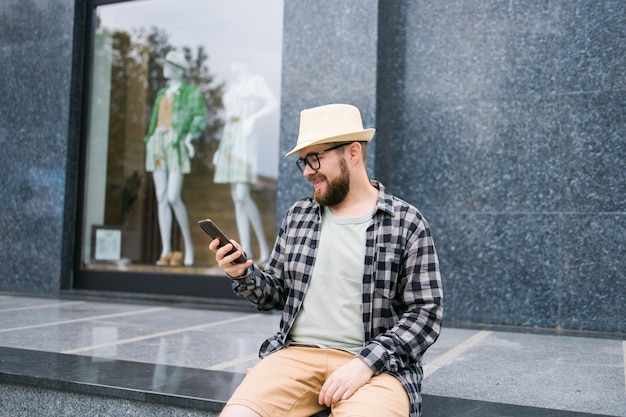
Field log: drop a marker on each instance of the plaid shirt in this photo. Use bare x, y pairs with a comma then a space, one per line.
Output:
402, 295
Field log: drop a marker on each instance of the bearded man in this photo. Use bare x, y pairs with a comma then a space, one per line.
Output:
355, 273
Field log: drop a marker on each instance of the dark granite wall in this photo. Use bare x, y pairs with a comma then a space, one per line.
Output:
513, 147
503, 121
36, 41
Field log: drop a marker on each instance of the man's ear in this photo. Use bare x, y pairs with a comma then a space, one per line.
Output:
354, 150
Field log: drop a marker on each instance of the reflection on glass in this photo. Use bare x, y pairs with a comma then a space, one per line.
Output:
247, 100
180, 129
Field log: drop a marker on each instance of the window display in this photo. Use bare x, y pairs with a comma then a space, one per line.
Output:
182, 125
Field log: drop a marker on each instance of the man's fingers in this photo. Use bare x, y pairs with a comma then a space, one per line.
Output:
332, 393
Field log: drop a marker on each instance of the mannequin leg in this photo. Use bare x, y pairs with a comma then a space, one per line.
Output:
247, 212
238, 193
257, 225
164, 212
174, 189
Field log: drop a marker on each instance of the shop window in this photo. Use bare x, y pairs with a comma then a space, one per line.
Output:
182, 124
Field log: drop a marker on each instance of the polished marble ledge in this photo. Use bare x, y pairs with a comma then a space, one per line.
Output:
191, 388
136, 381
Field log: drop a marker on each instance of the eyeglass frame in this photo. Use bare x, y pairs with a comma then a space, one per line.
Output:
305, 161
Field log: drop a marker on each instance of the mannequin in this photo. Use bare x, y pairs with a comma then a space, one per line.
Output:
248, 99
179, 116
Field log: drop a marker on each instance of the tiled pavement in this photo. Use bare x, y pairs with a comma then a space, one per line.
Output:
468, 370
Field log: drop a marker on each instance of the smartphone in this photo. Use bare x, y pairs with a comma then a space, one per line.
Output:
214, 232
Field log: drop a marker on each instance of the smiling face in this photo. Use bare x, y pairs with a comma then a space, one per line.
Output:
336, 188
331, 182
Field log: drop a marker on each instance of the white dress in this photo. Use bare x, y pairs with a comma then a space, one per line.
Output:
236, 157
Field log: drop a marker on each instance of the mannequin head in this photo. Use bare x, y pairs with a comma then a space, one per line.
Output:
172, 72
174, 66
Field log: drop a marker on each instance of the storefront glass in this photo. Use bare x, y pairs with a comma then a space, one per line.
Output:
182, 125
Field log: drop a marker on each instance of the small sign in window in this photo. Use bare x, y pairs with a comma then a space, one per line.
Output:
107, 243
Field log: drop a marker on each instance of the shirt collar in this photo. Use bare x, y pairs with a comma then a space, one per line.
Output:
385, 199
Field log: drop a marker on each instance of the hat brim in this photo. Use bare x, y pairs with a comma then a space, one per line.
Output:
161, 62
365, 135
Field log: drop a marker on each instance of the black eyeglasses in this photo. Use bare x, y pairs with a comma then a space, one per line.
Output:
313, 160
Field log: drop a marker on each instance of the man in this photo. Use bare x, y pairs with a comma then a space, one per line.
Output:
355, 272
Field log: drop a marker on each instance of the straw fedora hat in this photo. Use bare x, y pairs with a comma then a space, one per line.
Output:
330, 124
175, 58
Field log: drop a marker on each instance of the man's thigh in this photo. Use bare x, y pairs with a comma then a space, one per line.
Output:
287, 383
383, 395
284, 384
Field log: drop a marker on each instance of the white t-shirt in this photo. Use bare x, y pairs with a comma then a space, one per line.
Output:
331, 314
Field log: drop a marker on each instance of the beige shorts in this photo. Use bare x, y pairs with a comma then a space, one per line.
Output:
287, 384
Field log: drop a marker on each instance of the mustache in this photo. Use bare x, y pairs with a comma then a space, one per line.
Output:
316, 176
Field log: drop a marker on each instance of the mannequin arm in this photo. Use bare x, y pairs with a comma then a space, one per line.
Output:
270, 104
188, 141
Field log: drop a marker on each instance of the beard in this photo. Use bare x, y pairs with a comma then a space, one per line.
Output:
336, 189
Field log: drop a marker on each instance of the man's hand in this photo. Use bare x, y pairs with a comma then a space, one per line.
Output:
345, 381
225, 261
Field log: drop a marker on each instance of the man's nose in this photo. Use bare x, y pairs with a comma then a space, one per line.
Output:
307, 170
